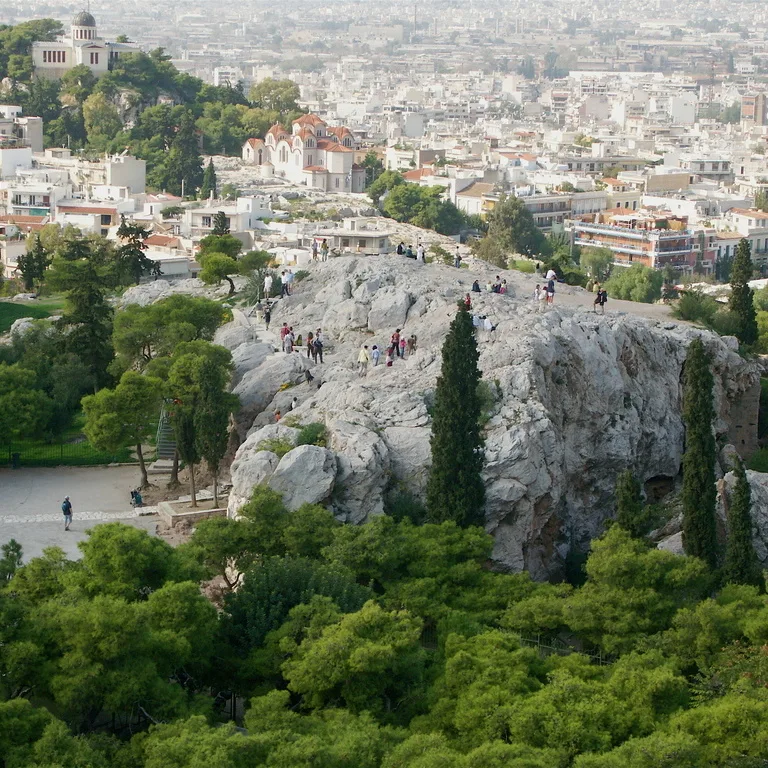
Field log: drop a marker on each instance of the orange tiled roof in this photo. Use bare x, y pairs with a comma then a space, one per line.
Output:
315, 168
417, 173
751, 214
162, 240
256, 142
329, 145
309, 119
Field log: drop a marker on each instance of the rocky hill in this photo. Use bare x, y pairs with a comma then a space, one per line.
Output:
573, 399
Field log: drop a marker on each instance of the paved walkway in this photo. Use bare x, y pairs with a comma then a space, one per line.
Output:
30, 504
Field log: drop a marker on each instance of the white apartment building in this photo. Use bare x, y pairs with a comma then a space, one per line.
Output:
17, 131
112, 170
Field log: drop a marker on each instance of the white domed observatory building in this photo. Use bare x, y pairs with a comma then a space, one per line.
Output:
81, 46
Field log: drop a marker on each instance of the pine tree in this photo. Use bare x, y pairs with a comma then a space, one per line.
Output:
699, 526
741, 564
629, 504
220, 224
209, 182
211, 421
455, 488
742, 296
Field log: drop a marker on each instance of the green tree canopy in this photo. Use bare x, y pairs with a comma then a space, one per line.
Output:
124, 416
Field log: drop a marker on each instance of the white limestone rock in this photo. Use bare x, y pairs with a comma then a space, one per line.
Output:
22, 326
389, 309
305, 475
363, 471
578, 397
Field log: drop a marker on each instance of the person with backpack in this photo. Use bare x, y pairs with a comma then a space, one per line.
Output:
600, 300
66, 508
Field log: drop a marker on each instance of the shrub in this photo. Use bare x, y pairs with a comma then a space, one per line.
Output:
277, 445
523, 265
312, 434
438, 252
403, 505
696, 307
300, 275
726, 323
487, 397
573, 276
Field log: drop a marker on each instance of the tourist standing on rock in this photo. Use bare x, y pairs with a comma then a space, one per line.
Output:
284, 332
289, 279
318, 346
476, 287
402, 347
503, 287
536, 295
543, 299
467, 302
324, 250
600, 299
314, 250
310, 343
551, 274
284, 289
390, 358
457, 259
363, 359
411, 344
420, 253
394, 342
551, 292
66, 508
267, 286
267, 316
288, 343
375, 355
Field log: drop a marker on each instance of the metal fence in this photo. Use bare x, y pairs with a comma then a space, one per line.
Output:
76, 453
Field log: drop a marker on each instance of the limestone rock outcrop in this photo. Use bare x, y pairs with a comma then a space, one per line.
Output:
573, 399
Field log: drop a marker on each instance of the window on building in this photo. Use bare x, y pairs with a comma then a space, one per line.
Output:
206, 221
337, 184
381, 243
310, 158
345, 242
106, 219
361, 243
94, 58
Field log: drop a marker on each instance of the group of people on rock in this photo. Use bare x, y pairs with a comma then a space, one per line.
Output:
498, 286
314, 342
320, 251
398, 347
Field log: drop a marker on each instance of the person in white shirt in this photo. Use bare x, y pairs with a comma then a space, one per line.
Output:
420, 254
551, 275
267, 286
362, 360
289, 280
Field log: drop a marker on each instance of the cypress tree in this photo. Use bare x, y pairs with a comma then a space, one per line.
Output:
741, 301
455, 488
209, 182
699, 498
741, 564
629, 504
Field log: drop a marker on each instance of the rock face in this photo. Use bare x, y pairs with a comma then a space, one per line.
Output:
575, 398
305, 475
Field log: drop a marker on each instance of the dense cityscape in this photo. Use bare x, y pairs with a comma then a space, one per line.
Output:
383, 385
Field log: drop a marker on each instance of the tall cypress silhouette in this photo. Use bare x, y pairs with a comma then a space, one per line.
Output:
455, 488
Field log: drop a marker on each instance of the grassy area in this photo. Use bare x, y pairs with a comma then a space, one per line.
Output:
71, 450
10, 311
